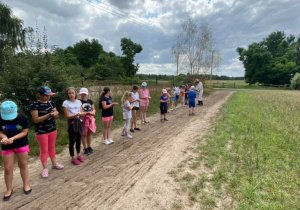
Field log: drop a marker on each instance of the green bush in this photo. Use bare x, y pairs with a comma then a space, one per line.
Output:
295, 82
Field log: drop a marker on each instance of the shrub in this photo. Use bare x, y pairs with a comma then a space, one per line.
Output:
295, 82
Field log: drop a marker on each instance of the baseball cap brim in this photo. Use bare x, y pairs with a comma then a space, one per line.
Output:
50, 94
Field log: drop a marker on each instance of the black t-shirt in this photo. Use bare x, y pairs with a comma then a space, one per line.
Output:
110, 111
13, 127
87, 105
47, 125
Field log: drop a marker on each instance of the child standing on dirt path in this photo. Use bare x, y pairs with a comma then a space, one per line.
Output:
192, 97
145, 97
127, 97
14, 141
173, 98
89, 122
44, 113
163, 105
106, 104
73, 112
169, 99
182, 95
135, 101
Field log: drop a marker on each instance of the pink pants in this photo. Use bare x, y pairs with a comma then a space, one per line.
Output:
47, 145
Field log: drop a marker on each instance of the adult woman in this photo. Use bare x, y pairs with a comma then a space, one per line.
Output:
14, 141
44, 113
145, 97
199, 89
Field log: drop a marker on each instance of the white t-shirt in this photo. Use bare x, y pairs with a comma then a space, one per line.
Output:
177, 91
135, 96
126, 112
73, 107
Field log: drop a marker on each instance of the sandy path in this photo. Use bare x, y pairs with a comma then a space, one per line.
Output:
130, 174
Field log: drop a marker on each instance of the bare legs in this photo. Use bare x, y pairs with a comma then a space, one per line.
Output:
143, 113
8, 161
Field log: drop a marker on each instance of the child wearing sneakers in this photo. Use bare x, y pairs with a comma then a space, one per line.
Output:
73, 112
89, 122
163, 105
182, 95
106, 104
192, 96
44, 113
127, 110
135, 101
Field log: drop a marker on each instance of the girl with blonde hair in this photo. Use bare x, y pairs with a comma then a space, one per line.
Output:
127, 113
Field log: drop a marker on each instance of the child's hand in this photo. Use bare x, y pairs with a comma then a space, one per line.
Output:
54, 114
149, 97
115, 104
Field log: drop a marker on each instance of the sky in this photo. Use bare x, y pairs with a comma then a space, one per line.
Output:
155, 24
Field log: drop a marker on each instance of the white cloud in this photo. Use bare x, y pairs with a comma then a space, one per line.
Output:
155, 24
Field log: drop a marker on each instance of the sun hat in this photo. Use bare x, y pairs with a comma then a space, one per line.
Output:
144, 84
164, 90
193, 87
196, 80
46, 91
83, 91
9, 110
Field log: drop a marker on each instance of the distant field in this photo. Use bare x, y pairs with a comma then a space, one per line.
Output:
251, 158
241, 84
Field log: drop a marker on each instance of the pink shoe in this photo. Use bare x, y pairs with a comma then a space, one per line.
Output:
80, 158
75, 162
45, 173
57, 166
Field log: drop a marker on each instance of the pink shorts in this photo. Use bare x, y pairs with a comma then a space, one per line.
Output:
105, 119
16, 150
144, 102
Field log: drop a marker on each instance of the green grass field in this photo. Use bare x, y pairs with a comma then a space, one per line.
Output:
250, 160
241, 84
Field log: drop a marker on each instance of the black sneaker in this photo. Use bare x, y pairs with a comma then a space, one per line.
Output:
86, 152
90, 150
193, 113
165, 119
138, 129
131, 130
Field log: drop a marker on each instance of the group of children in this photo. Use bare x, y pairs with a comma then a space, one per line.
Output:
81, 124
187, 95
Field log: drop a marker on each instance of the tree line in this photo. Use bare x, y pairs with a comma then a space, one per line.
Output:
27, 62
275, 60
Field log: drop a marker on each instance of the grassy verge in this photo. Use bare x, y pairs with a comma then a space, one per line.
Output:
251, 158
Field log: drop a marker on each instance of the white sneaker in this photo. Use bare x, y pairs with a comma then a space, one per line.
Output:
110, 140
106, 142
128, 137
123, 134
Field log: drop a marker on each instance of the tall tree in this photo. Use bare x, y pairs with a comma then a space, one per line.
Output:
87, 52
271, 61
12, 34
214, 61
130, 49
192, 48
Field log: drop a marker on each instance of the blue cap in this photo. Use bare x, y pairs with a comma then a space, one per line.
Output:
144, 84
9, 110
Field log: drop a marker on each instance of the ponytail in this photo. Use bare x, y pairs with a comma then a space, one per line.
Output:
103, 93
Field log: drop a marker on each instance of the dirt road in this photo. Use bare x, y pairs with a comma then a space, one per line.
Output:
129, 174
